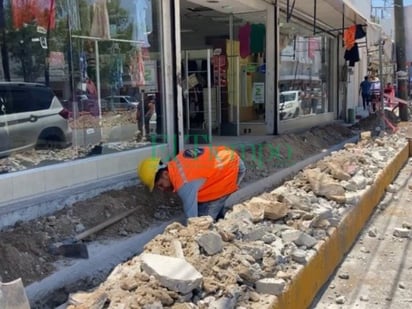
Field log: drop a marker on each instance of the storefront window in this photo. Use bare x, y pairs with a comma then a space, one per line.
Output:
102, 61
303, 77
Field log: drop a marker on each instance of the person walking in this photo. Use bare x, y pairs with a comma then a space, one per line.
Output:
365, 91
202, 177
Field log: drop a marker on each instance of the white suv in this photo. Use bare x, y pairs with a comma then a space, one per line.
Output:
31, 116
290, 104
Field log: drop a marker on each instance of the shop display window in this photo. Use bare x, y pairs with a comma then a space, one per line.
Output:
303, 71
94, 64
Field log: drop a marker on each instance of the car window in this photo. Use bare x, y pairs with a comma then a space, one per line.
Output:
42, 98
19, 101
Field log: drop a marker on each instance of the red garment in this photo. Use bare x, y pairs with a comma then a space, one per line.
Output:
244, 40
349, 37
313, 47
41, 11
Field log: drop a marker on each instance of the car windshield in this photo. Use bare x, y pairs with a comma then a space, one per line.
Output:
286, 97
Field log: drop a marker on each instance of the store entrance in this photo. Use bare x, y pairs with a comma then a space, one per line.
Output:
223, 69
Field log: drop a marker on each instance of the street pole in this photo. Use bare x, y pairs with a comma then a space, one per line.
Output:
402, 82
382, 105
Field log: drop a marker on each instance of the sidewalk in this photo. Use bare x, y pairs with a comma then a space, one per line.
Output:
376, 272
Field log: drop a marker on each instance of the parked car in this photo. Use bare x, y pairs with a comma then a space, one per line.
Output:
31, 116
120, 102
84, 103
290, 104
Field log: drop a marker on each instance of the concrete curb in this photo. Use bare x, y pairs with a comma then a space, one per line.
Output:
303, 288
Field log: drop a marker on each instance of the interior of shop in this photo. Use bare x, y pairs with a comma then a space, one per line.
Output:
223, 63
232, 102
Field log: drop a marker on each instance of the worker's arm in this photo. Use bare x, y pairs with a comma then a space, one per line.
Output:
188, 195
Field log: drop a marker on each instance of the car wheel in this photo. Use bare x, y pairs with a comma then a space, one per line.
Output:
51, 138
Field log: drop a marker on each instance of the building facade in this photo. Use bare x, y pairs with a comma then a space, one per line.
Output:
147, 77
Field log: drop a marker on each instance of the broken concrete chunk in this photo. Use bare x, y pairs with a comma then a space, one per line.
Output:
366, 135
211, 242
275, 210
271, 286
324, 185
173, 273
299, 256
402, 233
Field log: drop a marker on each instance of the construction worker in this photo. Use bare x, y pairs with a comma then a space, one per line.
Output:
202, 177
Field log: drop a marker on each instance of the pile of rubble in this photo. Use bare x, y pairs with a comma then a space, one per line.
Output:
246, 259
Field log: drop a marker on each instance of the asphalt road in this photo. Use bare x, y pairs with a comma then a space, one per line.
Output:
377, 272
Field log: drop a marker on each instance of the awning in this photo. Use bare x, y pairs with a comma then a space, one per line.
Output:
330, 15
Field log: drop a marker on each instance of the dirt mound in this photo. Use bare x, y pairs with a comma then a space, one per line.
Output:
374, 121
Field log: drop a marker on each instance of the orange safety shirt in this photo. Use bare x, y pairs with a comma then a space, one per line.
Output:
219, 166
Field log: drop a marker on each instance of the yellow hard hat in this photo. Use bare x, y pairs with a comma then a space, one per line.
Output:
147, 171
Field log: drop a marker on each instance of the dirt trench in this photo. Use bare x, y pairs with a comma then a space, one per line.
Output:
24, 247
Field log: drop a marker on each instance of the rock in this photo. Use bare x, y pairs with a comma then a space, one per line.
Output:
340, 300
299, 256
276, 210
373, 232
364, 298
211, 242
406, 225
337, 172
271, 286
366, 135
344, 276
402, 233
324, 185
200, 223
173, 273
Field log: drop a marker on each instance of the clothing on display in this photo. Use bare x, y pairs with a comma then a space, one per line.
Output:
257, 38
352, 55
143, 22
350, 36
116, 71
73, 15
83, 66
244, 40
41, 11
136, 68
100, 25
313, 47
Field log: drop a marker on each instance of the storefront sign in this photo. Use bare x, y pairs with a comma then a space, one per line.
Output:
258, 93
150, 76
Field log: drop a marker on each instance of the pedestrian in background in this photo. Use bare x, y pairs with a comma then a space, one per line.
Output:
365, 92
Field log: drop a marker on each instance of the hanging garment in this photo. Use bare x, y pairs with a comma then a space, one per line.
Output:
313, 47
352, 55
100, 24
116, 72
257, 38
41, 11
44, 12
21, 12
73, 14
359, 33
136, 68
141, 28
244, 40
349, 37
83, 66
